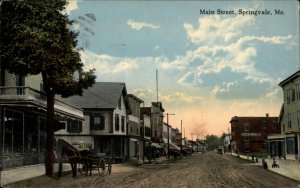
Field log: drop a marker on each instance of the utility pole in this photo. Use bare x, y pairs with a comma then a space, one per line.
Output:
181, 137
156, 85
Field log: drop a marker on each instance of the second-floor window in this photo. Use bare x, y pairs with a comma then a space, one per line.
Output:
298, 91
274, 124
289, 120
98, 122
123, 124
289, 96
117, 122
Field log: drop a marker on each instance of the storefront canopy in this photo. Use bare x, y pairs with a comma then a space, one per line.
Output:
156, 145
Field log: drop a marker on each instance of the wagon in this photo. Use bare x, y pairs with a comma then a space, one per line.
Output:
96, 162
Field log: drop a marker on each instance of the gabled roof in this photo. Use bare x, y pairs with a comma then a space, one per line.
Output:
290, 78
103, 95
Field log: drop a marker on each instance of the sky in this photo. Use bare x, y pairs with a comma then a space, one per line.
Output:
210, 66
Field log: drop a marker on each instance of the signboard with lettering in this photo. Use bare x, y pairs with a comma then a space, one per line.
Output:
251, 134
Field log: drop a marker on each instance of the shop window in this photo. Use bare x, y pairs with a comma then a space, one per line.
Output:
290, 145
13, 132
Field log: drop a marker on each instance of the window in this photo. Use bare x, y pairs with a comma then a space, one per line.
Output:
290, 145
123, 124
298, 91
13, 131
20, 81
289, 120
97, 122
289, 96
117, 122
274, 124
246, 127
74, 126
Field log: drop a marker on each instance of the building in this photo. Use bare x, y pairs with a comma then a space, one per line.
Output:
155, 112
249, 134
23, 109
134, 128
290, 116
106, 109
226, 143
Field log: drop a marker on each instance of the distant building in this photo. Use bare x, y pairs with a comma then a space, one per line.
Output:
249, 134
155, 112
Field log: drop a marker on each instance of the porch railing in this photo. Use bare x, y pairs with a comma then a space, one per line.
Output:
19, 93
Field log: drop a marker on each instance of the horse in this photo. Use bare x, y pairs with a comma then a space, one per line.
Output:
74, 156
174, 152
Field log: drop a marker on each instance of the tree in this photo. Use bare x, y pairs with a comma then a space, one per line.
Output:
36, 39
213, 142
199, 129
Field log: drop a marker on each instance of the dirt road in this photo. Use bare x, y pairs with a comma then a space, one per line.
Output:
198, 170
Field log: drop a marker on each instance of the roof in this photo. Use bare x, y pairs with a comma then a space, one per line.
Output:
251, 118
135, 98
290, 78
103, 95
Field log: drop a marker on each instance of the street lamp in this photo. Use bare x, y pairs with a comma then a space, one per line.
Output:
168, 133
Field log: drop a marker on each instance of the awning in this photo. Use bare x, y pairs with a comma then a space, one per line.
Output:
172, 146
156, 145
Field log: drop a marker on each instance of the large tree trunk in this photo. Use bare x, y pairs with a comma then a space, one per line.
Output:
49, 153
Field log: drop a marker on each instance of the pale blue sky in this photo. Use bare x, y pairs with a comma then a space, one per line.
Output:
211, 67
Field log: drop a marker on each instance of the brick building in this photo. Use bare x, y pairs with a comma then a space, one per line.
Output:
249, 134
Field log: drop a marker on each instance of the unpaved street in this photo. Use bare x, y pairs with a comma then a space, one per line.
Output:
199, 170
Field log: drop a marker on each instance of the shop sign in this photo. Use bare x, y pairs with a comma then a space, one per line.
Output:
251, 134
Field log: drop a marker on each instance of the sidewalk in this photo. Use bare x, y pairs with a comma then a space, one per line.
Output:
32, 171
287, 168
27, 172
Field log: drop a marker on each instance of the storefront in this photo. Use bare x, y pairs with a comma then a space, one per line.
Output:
23, 136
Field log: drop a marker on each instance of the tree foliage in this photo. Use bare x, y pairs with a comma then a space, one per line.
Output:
213, 142
36, 39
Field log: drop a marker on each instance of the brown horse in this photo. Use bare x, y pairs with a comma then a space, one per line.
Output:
74, 156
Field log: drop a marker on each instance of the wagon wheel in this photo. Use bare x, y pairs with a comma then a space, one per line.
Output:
103, 167
82, 168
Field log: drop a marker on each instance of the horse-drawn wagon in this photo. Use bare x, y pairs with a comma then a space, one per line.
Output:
83, 159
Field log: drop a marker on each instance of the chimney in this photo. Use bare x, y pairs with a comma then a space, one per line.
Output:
267, 115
